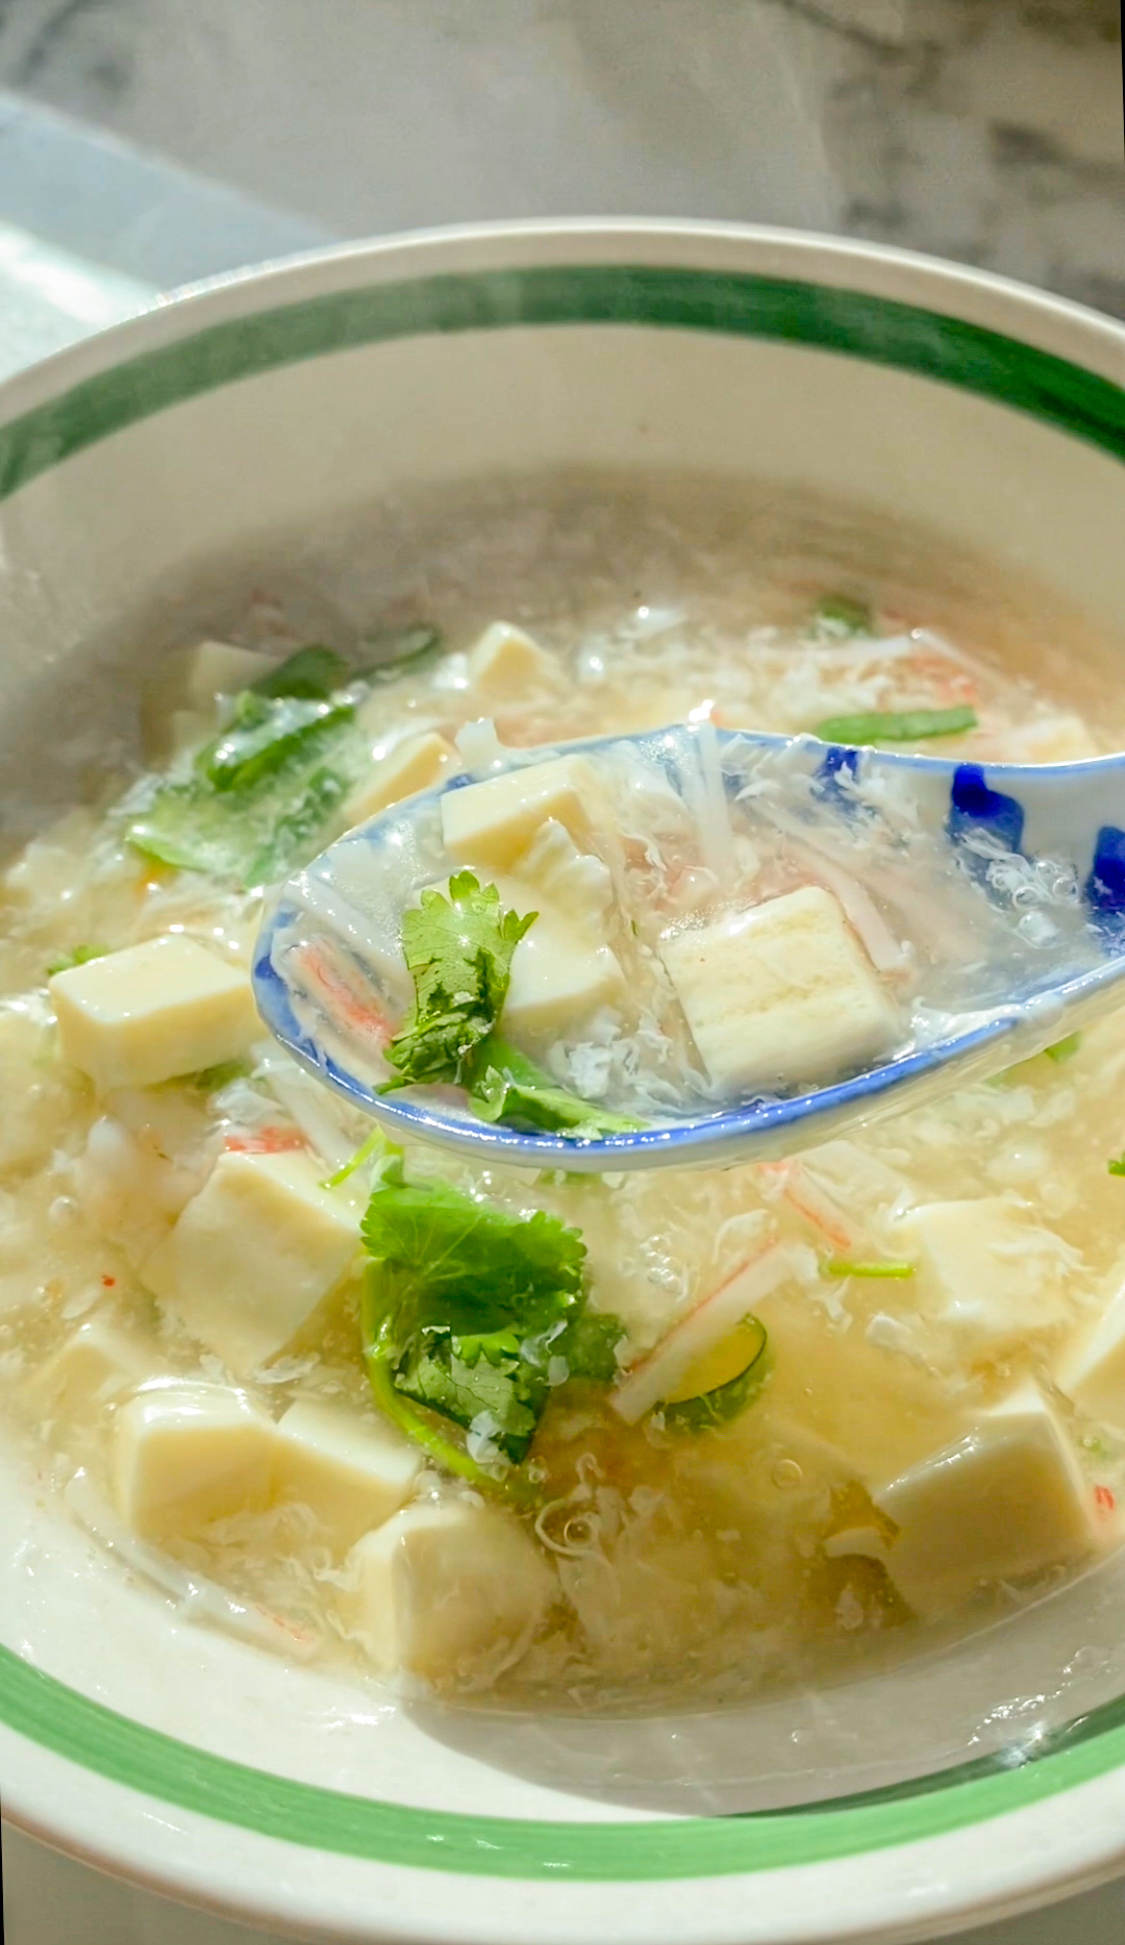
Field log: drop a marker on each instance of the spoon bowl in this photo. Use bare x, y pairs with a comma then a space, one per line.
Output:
992, 897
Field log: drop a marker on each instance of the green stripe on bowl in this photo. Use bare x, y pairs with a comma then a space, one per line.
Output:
60, 1719
851, 322
854, 324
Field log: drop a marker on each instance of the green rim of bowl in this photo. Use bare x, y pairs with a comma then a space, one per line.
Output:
852, 323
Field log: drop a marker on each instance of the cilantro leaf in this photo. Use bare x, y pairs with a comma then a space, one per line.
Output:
265, 733
295, 833
468, 1267
464, 1307
255, 801
502, 1397
80, 955
459, 954
504, 1085
843, 614
589, 1343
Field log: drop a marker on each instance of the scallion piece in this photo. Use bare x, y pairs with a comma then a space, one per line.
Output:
842, 1266
1064, 1049
1117, 1167
81, 955
401, 651
896, 726
844, 614
311, 674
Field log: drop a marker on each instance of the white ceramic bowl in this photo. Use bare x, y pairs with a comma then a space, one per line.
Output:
957, 1787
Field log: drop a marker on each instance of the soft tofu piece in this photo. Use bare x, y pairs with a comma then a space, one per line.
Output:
780, 995
1006, 1501
1091, 1367
354, 1472
138, 1017
30, 1077
560, 972
254, 1254
98, 1361
221, 669
505, 662
490, 823
577, 884
412, 765
985, 1267
447, 1591
185, 1454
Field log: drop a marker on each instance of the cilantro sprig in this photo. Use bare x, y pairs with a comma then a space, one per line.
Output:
473, 1315
458, 952
504, 1085
255, 799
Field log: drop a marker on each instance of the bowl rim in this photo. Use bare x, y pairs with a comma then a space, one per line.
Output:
1042, 355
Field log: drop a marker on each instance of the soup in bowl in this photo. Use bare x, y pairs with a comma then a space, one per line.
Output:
695, 1490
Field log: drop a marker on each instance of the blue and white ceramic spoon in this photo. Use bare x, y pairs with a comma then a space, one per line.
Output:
1020, 870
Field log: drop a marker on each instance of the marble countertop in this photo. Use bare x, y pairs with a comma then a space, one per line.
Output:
985, 130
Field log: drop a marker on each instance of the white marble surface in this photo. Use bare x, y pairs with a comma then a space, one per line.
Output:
985, 130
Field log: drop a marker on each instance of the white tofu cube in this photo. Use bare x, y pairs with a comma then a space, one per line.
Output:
354, 1472
1007, 1501
98, 1362
447, 1591
986, 1269
490, 823
221, 669
188, 1453
560, 971
1091, 1367
506, 662
31, 1076
417, 763
781, 995
574, 882
254, 1254
138, 1017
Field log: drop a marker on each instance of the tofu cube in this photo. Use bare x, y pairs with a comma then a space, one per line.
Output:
221, 669
98, 1361
354, 1472
1091, 1368
447, 1591
254, 1254
781, 995
986, 1269
490, 823
188, 1453
558, 973
1006, 1501
505, 662
412, 765
138, 1017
